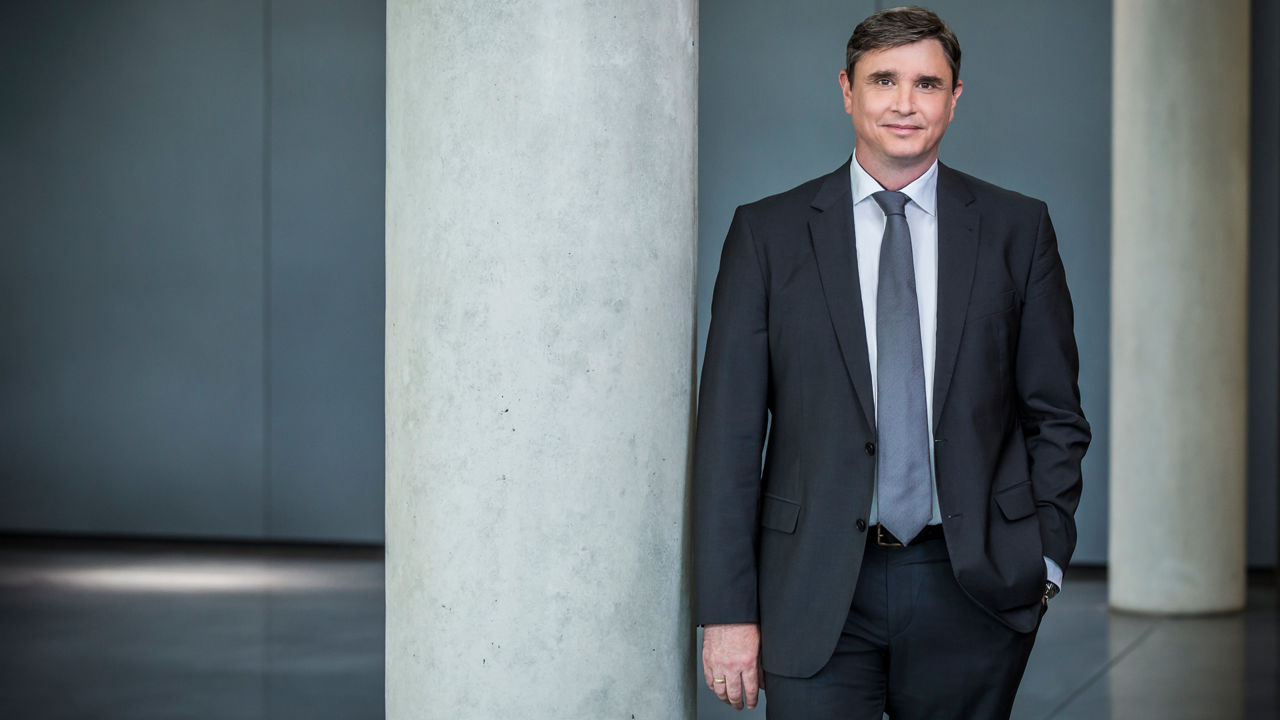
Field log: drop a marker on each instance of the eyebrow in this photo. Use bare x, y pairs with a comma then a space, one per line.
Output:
893, 75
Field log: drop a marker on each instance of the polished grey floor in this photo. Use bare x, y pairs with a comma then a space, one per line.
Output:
141, 630
1093, 664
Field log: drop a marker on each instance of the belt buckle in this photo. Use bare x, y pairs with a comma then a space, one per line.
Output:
881, 541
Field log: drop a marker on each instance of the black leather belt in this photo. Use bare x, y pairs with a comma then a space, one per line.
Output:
879, 535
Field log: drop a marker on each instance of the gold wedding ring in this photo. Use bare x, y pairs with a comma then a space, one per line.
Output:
717, 680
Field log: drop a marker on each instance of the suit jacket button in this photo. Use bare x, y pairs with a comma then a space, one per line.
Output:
870, 448
862, 525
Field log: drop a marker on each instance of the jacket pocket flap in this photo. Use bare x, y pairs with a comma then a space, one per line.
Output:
1016, 502
778, 514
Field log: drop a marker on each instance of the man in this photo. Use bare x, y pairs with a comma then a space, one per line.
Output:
903, 332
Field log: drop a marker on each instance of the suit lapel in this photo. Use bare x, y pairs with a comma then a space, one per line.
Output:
831, 230
958, 223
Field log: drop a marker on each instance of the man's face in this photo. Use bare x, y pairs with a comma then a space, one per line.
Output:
901, 100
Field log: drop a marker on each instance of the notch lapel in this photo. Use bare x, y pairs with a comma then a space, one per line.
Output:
831, 231
958, 222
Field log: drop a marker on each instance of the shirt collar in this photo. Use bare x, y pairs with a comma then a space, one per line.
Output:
923, 191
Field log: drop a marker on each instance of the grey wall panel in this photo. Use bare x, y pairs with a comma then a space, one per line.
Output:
326, 269
131, 286
1034, 116
770, 114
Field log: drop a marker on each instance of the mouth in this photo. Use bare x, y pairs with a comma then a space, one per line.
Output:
901, 129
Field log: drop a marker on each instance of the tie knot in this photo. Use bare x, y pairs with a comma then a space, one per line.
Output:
891, 202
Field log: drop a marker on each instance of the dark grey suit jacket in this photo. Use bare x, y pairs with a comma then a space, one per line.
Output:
783, 547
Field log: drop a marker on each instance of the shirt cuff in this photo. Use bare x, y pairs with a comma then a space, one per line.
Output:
1052, 572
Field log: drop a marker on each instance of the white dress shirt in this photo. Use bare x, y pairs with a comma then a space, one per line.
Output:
868, 228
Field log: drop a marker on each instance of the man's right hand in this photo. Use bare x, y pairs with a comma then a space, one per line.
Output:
731, 663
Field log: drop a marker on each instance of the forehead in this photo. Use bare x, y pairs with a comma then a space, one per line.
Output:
922, 57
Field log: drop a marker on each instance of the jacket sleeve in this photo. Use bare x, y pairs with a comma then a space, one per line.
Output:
732, 418
1047, 368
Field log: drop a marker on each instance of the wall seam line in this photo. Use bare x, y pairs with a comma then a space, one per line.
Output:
266, 271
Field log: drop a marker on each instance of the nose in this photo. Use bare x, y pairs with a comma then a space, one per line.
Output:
903, 99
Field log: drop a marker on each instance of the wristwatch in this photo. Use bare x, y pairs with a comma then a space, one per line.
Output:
1050, 590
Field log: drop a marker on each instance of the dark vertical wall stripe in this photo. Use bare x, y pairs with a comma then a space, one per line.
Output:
1264, 293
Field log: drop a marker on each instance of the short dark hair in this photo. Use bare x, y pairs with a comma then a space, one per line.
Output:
902, 26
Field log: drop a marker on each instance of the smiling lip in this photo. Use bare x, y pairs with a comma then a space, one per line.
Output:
902, 128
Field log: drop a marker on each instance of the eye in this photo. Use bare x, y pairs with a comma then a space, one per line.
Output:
884, 82
927, 86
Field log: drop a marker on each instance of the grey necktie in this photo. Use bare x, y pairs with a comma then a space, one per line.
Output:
902, 471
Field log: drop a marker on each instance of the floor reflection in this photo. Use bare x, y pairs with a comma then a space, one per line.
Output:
139, 631
1189, 668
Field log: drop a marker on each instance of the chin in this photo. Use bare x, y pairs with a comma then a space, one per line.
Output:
908, 158
902, 149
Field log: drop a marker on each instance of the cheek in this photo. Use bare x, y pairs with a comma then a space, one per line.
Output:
942, 114
866, 113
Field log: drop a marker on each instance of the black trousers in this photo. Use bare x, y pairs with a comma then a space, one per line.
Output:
914, 646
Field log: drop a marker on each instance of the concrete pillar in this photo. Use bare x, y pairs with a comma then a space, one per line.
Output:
541, 246
1180, 159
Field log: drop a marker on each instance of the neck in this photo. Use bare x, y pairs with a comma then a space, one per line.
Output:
894, 177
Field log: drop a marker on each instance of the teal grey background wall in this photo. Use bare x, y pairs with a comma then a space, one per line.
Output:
1035, 116
191, 293
191, 257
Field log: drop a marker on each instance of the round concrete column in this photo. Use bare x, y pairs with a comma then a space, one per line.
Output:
541, 243
1180, 157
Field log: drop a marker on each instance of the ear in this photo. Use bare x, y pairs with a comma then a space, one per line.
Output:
955, 95
847, 91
